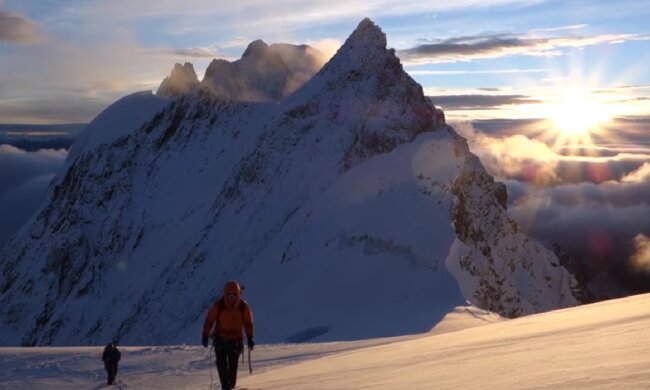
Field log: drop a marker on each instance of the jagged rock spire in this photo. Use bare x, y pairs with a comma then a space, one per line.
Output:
256, 47
182, 79
367, 34
364, 49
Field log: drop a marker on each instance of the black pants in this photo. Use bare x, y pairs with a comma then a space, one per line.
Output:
227, 352
111, 371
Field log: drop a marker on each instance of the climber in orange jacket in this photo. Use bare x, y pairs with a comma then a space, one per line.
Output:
226, 318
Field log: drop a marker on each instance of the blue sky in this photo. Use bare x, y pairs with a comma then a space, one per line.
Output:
63, 61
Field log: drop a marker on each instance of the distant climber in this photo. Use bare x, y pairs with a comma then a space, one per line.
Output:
111, 357
224, 322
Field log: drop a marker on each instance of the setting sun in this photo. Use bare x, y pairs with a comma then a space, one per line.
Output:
577, 112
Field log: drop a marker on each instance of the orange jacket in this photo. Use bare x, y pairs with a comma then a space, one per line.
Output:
227, 318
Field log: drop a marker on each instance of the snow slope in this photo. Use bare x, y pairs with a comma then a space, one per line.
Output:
180, 366
118, 120
598, 346
349, 209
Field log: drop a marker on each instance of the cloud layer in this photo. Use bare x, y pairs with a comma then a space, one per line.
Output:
473, 102
493, 45
24, 176
19, 203
595, 208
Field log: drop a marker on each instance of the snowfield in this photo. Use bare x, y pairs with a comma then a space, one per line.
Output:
599, 346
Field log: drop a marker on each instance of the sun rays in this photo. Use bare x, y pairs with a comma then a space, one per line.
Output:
574, 115
577, 113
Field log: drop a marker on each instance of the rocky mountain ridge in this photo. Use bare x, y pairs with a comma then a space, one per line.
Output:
264, 73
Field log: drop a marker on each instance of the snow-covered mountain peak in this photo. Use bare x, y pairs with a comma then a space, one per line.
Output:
367, 34
364, 64
363, 51
367, 98
353, 180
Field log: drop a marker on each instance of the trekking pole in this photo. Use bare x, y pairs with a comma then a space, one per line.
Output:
250, 365
210, 365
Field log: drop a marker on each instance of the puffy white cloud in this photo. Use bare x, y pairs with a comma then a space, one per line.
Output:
514, 156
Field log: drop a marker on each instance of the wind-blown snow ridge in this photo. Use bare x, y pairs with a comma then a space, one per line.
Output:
318, 203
